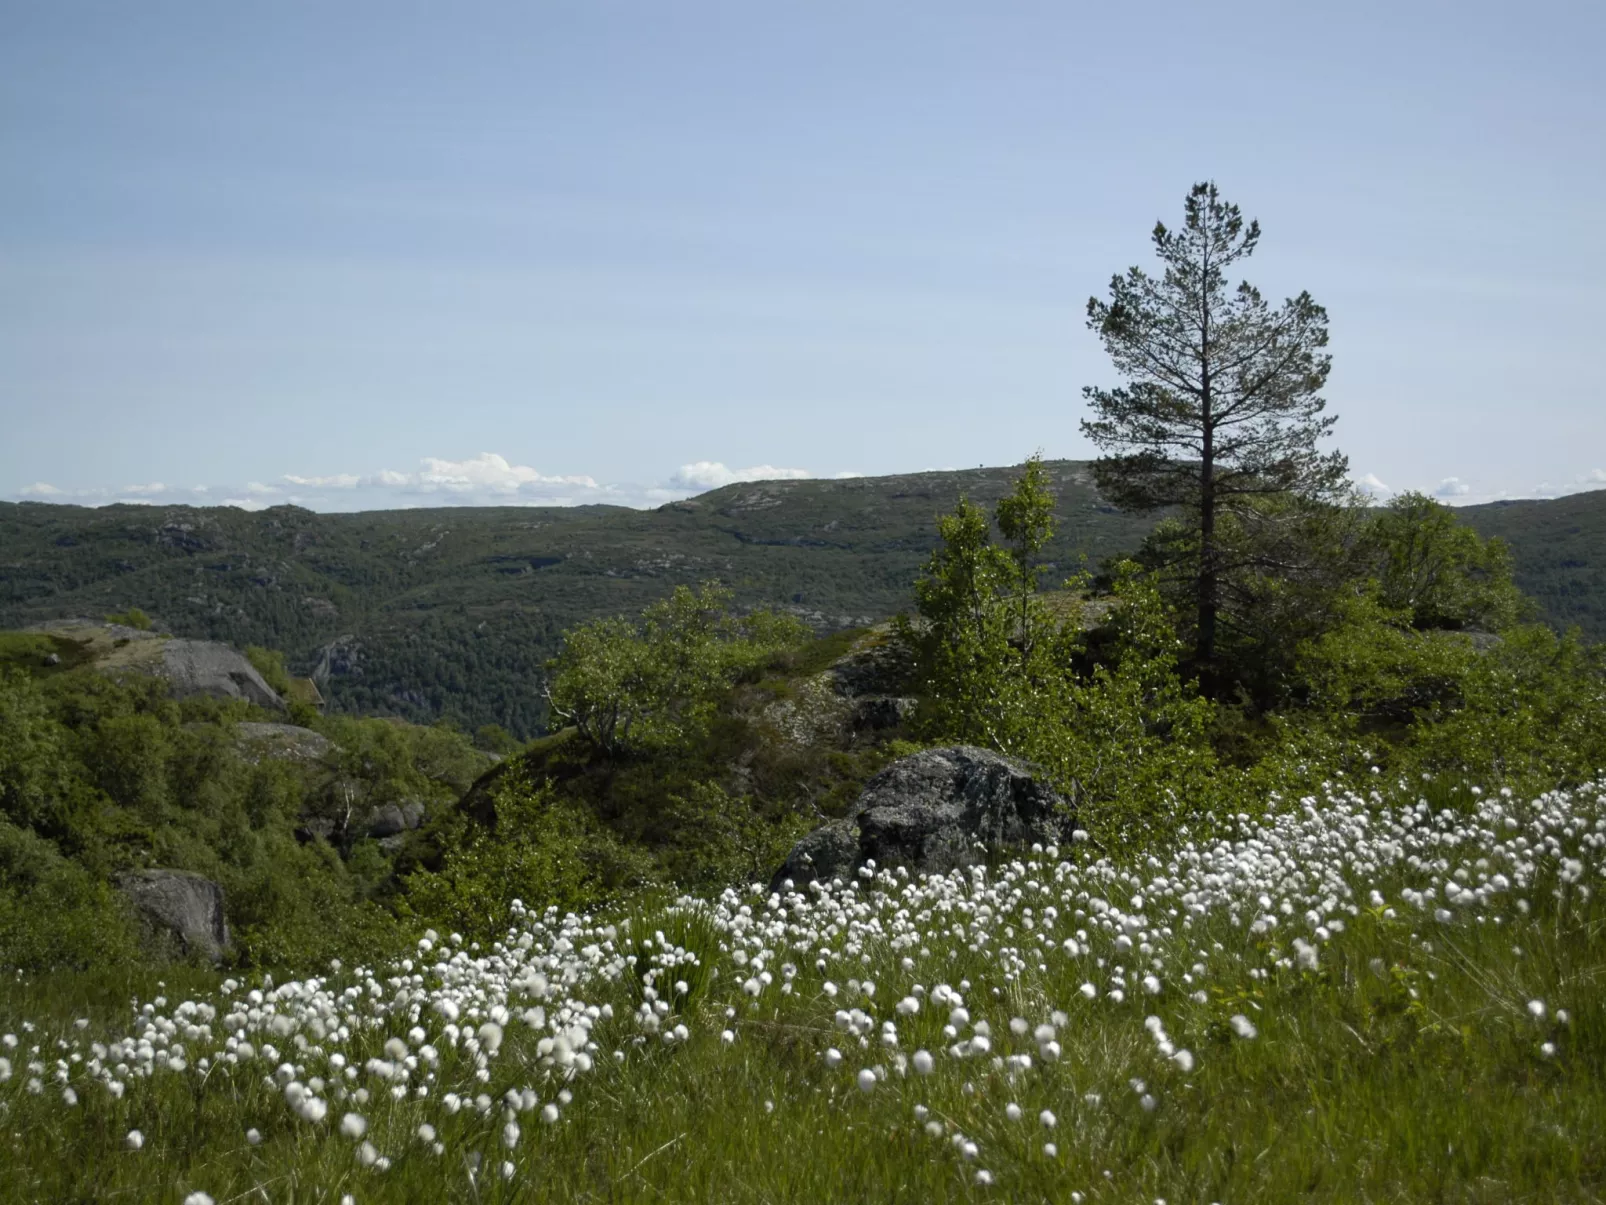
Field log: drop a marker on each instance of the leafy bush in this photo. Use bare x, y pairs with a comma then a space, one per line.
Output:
270, 664
630, 686
544, 849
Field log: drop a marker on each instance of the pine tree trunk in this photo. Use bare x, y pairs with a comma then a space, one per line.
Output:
1205, 642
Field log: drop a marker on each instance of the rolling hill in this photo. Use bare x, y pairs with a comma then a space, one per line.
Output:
452, 612
424, 613
1559, 549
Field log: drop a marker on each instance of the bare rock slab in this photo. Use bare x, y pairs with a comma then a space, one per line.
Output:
204, 667
183, 911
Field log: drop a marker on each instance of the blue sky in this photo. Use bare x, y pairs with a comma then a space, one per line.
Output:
392, 254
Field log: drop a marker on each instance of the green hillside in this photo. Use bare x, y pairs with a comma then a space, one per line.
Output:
1559, 547
452, 612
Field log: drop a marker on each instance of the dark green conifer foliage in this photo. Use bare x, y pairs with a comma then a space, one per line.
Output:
1222, 403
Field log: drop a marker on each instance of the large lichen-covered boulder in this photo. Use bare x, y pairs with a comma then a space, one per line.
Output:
932, 812
183, 912
204, 667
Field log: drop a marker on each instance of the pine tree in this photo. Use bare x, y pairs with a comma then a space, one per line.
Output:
1222, 404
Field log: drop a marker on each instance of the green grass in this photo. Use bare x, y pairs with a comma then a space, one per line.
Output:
1405, 1067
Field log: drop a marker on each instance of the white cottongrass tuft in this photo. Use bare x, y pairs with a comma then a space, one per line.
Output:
354, 1125
1243, 1026
134, 1141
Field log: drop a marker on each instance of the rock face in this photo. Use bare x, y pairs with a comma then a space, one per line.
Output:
281, 742
385, 823
203, 667
184, 911
928, 812
860, 692
391, 819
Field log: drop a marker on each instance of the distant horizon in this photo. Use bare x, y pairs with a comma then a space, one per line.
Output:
349, 256
440, 498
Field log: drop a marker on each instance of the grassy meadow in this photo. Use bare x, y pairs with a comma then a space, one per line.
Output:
1390, 993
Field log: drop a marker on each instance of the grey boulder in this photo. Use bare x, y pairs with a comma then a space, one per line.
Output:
182, 911
204, 667
391, 819
934, 811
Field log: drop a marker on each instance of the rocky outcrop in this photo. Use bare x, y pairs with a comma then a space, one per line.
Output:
281, 742
385, 823
860, 692
204, 667
829, 852
933, 811
392, 819
182, 912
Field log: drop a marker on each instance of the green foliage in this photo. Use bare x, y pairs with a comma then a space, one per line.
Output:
54, 912
31, 752
1222, 406
425, 613
1117, 731
131, 618
493, 738
545, 849
635, 686
101, 774
270, 664
1438, 569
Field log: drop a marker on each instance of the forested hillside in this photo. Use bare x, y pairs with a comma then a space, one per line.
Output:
452, 612
1558, 550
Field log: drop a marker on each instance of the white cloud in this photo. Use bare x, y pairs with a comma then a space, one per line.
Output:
41, 489
846, 475
1452, 487
145, 491
487, 471
711, 474
1370, 484
245, 503
257, 489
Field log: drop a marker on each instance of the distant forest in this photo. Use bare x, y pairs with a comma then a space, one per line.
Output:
453, 613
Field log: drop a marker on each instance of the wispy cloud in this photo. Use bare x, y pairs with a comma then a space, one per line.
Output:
492, 479
339, 481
